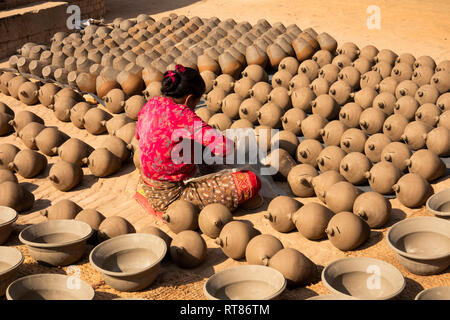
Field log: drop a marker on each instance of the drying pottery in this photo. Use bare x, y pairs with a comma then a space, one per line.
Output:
10, 261
386, 102
353, 140
7, 218
347, 231
115, 100
332, 132
375, 145
14, 84
438, 141
324, 181
28, 163
220, 121
373, 208
295, 267
133, 105
427, 93
49, 287
188, 249
204, 114
263, 138
4, 79
49, 139
74, 151
28, 93
406, 106
62, 210
426, 164
370, 79
322, 57
428, 113
441, 80
102, 162
415, 134
289, 64
261, 248
325, 106
299, 81
330, 158
311, 126
329, 72
230, 105
214, 99
56, 242
286, 140
349, 114
181, 215
118, 147
444, 120
397, 153
246, 282
354, 277
77, 114
65, 175
116, 123
5, 109
299, 179
371, 120
302, 98
280, 212
438, 204
225, 82
7, 175
412, 190
362, 65
406, 88
62, 108
255, 73
29, 132
280, 97
312, 219
5, 127
270, 115
436, 293
422, 244
15, 196
129, 262
341, 196
394, 126
113, 227
248, 109
354, 166
281, 79
213, 218
254, 55
234, 237
260, 91
95, 120
292, 119
23, 118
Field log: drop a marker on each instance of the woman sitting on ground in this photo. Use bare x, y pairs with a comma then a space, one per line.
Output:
163, 178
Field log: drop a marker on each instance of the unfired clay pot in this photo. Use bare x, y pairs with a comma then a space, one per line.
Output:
10, 261
7, 217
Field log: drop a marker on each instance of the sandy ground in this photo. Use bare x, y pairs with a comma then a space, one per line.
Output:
408, 26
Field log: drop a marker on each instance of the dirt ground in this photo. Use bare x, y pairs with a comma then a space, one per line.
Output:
421, 28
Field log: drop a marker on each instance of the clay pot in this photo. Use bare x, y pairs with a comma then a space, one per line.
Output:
229, 64
289, 64
427, 93
397, 153
303, 49
325, 105
441, 80
354, 166
370, 79
353, 140
103, 86
213, 218
285, 140
406, 106
341, 196
153, 90
46, 94
402, 71
208, 77
102, 162
234, 238
243, 86
292, 119
49, 139
65, 175
299, 179
23, 118
280, 212
74, 151
181, 215
95, 120
394, 126
406, 87
188, 249
322, 57
126, 132
4, 79
426, 164
260, 91
220, 121
7, 154
224, 82
279, 159
7, 175
312, 219
5, 127
341, 61
327, 42
385, 101
28, 163
329, 72
443, 102
375, 145
350, 114
62, 108
14, 84
347, 231
373, 208
131, 84
248, 109
214, 100
204, 114
382, 176
14, 196
261, 248
371, 120
311, 126
444, 120
29, 132
295, 266
116, 123
415, 134
332, 132
77, 114
362, 64
275, 54
308, 151
412, 190
438, 141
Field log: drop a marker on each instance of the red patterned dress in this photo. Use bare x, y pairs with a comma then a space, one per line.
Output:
167, 133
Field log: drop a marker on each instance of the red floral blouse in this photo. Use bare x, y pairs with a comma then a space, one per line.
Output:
165, 130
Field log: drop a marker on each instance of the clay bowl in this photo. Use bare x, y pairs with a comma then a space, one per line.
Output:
363, 278
439, 204
247, 282
129, 262
7, 217
422, 244
10, 261
437, 293
49, 287
56, 242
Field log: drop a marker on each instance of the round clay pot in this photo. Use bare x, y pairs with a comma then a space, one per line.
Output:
10, 261
439, 203
436, 293
7, 218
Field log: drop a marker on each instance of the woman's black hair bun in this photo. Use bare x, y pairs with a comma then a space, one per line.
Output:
181, 82
170, 82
